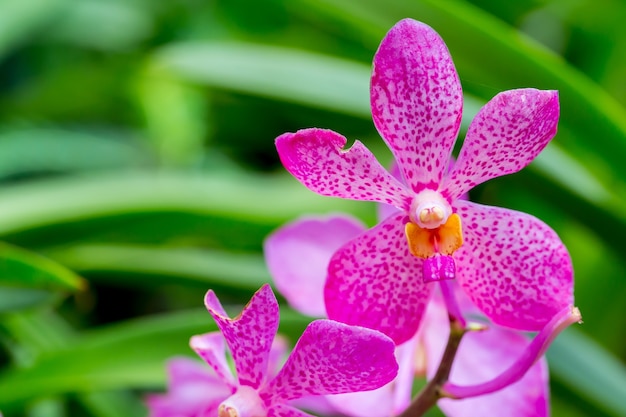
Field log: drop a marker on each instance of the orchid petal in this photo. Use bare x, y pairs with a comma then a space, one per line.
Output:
504, 137
416, 101
298, 254
385, 210
317, 158
250, 334
375, 282
193, 390
317, 404
376, 403
282, 410
388, 400
513, 266
211, 348
408, 358
278, 353
482, 356
334, 358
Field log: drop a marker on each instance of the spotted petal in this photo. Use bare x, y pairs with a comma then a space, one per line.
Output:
513, 266
333, 358
504, 137
210, 347
481, 357
249, 336
298, 254
416, 101
373, 281
388, 400
316, 157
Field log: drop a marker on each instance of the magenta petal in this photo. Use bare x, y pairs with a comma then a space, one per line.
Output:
210, 347
317, 404
298, 254
373, 281
513, 266
250, 334
504, 137
278, 353
317, 158
334, 358
481, 357
388, 400
416, 101
376, 403
282, 410
193, 390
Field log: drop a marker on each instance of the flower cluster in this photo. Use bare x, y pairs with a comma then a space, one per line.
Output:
398, 296
511, 265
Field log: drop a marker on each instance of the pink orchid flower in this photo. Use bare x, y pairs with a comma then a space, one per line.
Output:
329, 358
510, 264
513, 368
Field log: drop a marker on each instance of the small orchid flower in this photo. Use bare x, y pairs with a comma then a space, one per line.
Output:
511, 265
329, 358
515, 372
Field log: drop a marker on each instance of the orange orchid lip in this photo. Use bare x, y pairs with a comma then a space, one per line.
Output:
445, 239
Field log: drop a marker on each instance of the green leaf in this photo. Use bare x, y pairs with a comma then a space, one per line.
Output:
19, 19
150, 265
113, 404
23, 269
175, 116
39, 332
128, 355
252, 198
12, 299
286, 74
33, 150
111, 25
28, 279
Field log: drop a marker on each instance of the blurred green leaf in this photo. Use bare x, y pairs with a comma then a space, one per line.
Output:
150, 266
130, 354
21, 298
589, 370
33, 150
287, 74
20, 19
265, 199
110, 25
23, 269
28, 279
113, 404
39, 332
175, 116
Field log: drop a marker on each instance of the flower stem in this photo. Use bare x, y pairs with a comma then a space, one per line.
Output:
429, 395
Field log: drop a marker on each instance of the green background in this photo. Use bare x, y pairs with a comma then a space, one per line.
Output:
137, 170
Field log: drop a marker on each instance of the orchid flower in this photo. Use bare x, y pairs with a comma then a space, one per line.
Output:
329, 358
483, 356
510, 264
